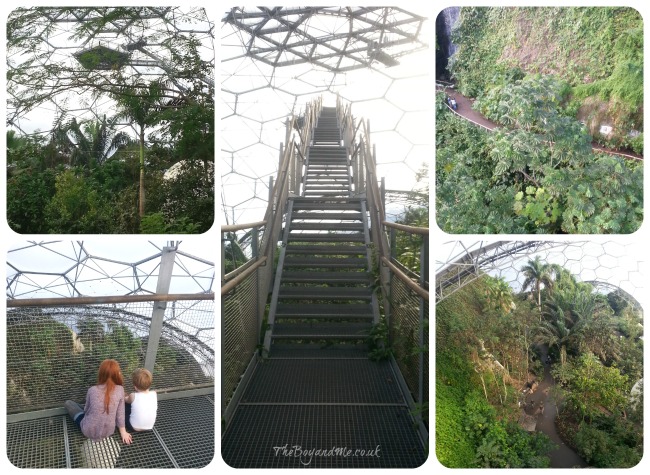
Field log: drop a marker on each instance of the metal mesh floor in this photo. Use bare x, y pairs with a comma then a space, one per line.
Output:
258, 435
183, 437
323, 381
343, 408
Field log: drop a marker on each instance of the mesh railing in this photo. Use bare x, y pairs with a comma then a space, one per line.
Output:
406, 294
245, 288
53, 351
240, 333
411, 354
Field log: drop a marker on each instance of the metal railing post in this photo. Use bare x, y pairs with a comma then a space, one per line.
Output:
223, 258
424, 277
157, 315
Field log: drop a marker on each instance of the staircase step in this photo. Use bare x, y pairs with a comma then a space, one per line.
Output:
316, 205
341, 216
300, 199
326, 180
324, 310
334, 250
324, 149
309, 191
337, 226
315, 172
321, 331
325, 293
289, 277
326, 237
315, 194
325, 262
336, 186
306, 350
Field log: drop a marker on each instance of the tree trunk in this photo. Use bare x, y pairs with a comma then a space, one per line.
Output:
141, 204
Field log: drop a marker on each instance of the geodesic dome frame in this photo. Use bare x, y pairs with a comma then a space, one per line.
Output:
130, 311
66, 62
608, 266
266, 77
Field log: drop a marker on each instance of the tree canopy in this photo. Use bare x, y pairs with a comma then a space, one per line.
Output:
85, 85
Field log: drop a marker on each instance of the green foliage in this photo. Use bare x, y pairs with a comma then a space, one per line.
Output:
190, 195
46, 364
612, 443
379, 348
498, 295
532, 70
502, 445
490, 183
453, 380
101, 196
469, 430
584, 46
30, 192
595, 389
155, 223
76, 207
538, 206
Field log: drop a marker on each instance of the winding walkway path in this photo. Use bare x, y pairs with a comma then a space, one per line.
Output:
563, 456
465, 111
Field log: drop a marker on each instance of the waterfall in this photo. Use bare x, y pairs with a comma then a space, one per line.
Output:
445, 23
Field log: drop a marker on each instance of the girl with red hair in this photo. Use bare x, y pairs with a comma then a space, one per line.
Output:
104, 409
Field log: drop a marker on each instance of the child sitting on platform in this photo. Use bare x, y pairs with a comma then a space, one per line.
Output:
141, 405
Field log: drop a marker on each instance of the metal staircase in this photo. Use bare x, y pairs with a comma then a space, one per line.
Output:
322, 287
316, 388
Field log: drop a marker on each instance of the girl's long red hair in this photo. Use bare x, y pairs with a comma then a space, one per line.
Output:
111, 375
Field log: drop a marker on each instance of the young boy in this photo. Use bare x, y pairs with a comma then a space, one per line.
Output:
141, 406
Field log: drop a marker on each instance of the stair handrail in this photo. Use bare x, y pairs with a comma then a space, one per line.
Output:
288, 182
364, 169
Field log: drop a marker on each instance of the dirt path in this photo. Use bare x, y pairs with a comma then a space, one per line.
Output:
465, 111
563, 456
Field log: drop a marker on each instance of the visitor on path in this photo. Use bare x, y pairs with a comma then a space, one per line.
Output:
141, 406
104, 409
453, 104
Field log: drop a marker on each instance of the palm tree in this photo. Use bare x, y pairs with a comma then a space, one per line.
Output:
81, 144
499, 295
141, 103
94, 141
559, 328
537, 274
595, 316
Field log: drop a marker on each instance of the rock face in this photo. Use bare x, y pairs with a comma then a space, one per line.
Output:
527, 422
100, 454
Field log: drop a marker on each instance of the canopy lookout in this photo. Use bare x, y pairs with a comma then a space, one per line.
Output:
55, 346
325, 332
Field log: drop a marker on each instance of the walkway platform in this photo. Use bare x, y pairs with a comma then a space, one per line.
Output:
327, 400
183, 437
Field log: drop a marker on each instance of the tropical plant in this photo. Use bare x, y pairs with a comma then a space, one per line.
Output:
140, 103
498, 295
595, 389
537, 274
91, 142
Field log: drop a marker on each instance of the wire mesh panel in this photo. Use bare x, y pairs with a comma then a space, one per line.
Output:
405, 335
239, 314
53, 353
37, 444
185, 355
186, 427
